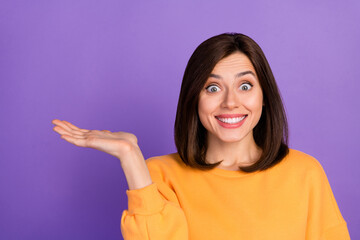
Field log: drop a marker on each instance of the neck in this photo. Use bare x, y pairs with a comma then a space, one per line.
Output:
233, 154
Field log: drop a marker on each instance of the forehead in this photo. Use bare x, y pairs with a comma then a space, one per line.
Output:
236, 62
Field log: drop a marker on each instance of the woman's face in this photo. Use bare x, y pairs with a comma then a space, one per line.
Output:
230, 104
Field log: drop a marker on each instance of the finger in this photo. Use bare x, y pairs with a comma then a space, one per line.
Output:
62, 131
76, 141
72, 126
62, 124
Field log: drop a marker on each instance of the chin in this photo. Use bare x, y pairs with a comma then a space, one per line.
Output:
231, 139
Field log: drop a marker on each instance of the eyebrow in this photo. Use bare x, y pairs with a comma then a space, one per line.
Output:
236, 76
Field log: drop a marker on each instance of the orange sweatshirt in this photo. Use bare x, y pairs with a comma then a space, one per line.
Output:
292, 200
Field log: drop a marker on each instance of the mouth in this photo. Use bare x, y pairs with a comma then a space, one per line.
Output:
231, 121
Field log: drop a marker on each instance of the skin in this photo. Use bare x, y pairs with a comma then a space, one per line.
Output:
232, 88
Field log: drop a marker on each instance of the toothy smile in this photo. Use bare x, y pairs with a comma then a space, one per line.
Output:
232, 120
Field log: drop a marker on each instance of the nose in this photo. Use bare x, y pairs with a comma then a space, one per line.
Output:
229, 100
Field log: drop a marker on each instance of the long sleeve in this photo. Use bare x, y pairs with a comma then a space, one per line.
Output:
153, 213
325, 221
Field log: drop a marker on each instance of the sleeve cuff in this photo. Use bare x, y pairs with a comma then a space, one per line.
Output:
145, 201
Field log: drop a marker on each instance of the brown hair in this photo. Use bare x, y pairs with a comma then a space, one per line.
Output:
271, 132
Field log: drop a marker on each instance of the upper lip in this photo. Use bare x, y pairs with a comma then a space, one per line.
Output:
230, 115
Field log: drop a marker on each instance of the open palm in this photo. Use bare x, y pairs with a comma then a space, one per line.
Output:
114, 143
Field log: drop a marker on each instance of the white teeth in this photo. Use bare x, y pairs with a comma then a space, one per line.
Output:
231, 120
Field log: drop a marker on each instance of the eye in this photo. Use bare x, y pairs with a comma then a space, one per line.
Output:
246, 86
212, 88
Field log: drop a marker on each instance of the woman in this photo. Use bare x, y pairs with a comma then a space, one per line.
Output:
234, 176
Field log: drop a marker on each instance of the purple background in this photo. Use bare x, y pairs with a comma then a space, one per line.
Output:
118, 65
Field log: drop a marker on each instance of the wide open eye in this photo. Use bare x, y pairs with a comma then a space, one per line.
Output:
245, 86
212, 88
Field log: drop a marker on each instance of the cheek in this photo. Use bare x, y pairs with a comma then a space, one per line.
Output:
254, 103
206, 108
202, 110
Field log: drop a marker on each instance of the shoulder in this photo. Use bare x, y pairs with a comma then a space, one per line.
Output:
166, 163
298, 158
297, 161
168, 171
169, 160
302, 168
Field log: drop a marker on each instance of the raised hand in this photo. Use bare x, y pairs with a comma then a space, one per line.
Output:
114, 143
122, 145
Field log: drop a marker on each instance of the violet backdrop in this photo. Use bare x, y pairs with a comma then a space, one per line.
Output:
118, 65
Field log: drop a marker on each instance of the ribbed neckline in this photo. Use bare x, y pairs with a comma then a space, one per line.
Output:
230, 173
218, 171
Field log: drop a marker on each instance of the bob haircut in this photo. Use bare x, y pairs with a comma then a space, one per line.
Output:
271, 132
